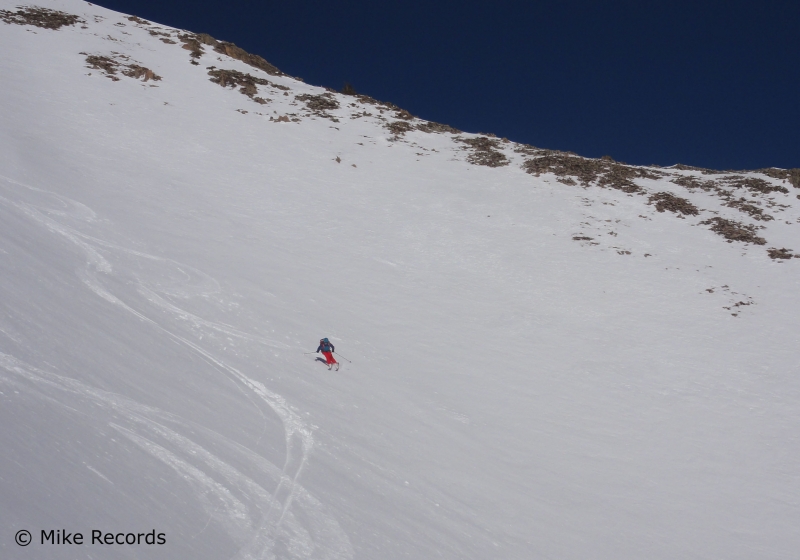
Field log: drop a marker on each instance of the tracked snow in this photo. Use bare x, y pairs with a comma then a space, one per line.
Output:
549, 356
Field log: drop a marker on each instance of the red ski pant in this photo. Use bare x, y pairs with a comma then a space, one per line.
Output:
329, 358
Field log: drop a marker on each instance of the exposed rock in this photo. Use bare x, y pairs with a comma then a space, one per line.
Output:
191, 44
240, 54
111, 65
135, 71
194, 43
247, 83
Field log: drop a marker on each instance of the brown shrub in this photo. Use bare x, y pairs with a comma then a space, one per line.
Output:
702, 170
781, 253
791, 175
567, 166
321, 102
39, 17
529, 150
485, 151
398, 128
691, 182
667, 201
619, 176
489, 158
235, 78
483, 143
743, 205
735, 231
432, 127
385, 105
564, 165
753, 184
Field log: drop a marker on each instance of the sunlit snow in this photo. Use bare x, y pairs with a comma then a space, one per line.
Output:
171, 251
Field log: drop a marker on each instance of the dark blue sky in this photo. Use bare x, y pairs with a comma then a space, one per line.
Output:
713, 84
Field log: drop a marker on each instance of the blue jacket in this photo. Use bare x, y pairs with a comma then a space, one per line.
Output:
326, 347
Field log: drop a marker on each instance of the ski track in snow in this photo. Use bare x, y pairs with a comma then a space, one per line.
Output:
232, 504
535, 386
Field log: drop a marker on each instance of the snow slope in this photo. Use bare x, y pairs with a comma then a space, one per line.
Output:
170, 250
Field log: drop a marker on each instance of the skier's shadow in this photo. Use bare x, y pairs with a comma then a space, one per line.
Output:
321, 360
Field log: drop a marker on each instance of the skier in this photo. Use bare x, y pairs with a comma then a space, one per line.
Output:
327, 350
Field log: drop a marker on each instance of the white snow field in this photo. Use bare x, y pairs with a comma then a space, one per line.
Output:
511, 392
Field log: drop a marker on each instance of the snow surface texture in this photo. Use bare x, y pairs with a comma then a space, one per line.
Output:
525, 381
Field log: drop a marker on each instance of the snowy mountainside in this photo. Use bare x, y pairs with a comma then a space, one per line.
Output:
549, 356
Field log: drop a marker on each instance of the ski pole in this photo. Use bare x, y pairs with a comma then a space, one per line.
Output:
342, 357
304, 353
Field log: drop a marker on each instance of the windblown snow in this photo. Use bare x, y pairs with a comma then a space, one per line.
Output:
547, 356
